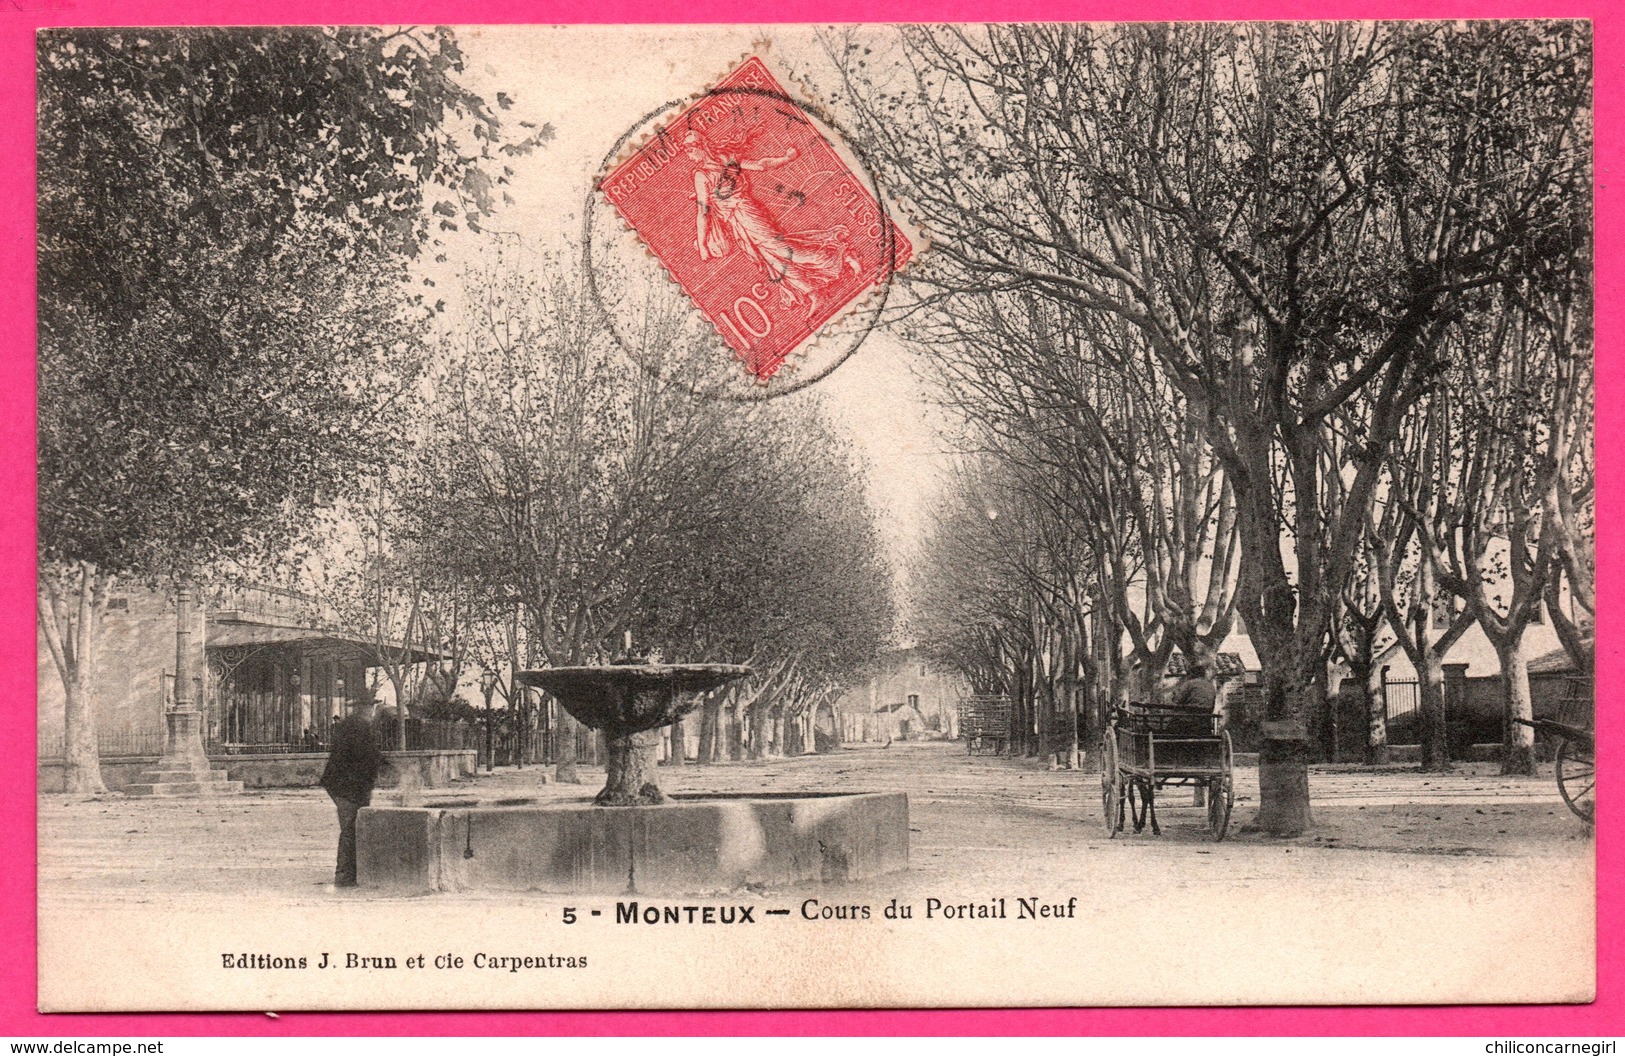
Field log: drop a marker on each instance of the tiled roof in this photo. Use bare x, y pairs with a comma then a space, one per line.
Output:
331, 643
1223, 664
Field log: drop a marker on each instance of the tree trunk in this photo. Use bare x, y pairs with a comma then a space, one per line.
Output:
710, 716
1285, 749
1435, 720
1519, 755
1324, 716
564, 771
631, 765
677, 750
81, 760
755, 738
1287, 637
734, 730
70, 620
1283, 786
1376, 743
1284, 753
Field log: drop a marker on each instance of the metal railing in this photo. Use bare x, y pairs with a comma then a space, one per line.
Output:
1402, 711
110, 743
432, 735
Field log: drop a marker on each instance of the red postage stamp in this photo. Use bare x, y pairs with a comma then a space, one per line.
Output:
757, 217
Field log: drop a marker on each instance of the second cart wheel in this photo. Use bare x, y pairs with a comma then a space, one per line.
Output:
1220, 798
1577, 779
1111, 784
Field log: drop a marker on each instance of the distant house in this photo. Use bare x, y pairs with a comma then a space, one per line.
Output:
903, 695
904, 721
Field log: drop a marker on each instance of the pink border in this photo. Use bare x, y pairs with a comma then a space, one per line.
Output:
18, 21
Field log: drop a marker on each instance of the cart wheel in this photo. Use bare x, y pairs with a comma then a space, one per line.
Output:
1221, 790
1111, 784
1577, 779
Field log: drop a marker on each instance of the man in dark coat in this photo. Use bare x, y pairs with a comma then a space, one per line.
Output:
352, 771
1197, 692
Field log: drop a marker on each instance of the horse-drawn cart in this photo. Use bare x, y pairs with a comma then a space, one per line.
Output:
1148, 747
984, 723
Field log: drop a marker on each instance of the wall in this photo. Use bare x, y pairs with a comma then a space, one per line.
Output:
434, 769
137, 647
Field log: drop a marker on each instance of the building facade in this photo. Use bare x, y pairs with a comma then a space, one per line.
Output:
275, 674
903, 696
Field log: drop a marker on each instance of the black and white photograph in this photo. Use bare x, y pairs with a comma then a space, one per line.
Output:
780, 517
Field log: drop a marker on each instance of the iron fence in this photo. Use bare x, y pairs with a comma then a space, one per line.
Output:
110, 743
432, 735
1402, 711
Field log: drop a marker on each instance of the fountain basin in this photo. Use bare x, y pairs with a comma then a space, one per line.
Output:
687, 845
629, 700
631, 697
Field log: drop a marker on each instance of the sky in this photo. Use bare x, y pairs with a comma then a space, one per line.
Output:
592, 85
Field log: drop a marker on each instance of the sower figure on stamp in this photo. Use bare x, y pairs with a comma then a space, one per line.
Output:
730, 218
351, 772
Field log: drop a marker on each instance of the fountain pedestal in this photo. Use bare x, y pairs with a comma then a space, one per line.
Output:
631, 761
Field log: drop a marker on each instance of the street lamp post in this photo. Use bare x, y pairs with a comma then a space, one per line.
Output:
488, 686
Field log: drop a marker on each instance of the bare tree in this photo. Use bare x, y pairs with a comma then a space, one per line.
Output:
1277, 212
606, 499
1489, 545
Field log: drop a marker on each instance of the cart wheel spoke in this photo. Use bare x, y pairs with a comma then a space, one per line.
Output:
1111, 784
1576, 779
1221, 792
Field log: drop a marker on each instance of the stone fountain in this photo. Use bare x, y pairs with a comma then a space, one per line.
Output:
629, 700
632, 837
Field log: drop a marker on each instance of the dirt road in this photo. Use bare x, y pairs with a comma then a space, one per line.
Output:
1466, 886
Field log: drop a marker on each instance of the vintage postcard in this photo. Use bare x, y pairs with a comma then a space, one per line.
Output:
876, 516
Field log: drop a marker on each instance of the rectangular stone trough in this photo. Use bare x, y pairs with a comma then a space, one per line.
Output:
688, 845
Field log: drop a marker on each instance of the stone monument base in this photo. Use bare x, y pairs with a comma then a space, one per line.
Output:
688, 845
163, 783
183, 770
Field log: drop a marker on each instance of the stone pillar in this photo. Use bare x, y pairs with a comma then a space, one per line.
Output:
183, 770
183, 740
1455, 699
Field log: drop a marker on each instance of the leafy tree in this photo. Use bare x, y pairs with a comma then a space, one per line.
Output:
225, 217
603, 498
